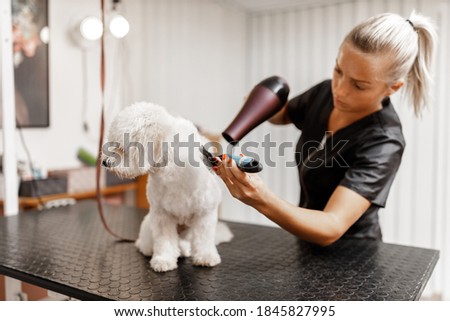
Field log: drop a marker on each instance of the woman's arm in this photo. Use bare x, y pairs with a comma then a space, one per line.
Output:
325, 227
281, 118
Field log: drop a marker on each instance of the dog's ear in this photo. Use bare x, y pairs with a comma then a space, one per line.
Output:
162, 155
157, 142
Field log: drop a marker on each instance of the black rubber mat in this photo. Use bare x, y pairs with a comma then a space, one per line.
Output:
66, 250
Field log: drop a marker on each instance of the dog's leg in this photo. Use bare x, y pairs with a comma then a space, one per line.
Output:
185, 242
145, 240
165, 246
204, 251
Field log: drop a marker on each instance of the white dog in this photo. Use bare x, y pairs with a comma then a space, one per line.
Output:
181, 189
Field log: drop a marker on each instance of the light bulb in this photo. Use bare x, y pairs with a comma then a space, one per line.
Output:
119, 26
91, 28
45, 35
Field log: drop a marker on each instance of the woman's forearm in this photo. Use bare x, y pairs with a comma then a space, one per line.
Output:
314, 226
320, 227
280, 118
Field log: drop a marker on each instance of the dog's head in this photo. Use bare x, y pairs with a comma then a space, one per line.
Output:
136, 140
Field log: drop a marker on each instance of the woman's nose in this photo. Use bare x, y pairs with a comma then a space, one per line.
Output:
340, 90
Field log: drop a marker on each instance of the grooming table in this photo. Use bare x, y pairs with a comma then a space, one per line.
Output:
67, 250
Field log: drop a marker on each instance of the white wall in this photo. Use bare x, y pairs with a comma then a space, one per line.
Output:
194, 61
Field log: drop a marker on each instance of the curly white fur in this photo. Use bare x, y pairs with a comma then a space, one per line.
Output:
178, 195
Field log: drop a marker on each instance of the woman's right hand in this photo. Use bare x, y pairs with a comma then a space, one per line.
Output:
248, 188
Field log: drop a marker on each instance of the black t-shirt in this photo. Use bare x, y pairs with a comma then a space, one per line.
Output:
364, 156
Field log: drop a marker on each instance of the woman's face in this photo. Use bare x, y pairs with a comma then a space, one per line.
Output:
358, 84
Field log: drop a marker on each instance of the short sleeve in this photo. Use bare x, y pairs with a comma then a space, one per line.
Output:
298, 106
374, 168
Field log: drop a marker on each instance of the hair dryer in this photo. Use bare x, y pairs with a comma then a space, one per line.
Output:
264, 101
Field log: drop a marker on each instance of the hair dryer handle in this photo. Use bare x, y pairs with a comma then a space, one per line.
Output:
264, 101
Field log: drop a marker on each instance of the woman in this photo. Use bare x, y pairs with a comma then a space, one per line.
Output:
342, 190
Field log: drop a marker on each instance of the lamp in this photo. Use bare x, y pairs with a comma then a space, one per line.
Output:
91, 28
45, 35
119, 26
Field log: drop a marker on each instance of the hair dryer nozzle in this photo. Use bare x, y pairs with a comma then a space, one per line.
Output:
264, 101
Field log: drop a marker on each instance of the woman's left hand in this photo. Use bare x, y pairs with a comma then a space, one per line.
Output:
248, 188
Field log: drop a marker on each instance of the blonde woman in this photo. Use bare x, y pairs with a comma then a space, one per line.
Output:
351, 141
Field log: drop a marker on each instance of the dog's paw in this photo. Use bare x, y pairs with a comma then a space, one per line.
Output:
207, 259
144, 248
160, 264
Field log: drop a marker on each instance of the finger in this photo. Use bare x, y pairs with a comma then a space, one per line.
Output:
229, 183
218, 165
225, 162
221, 171
218, 161
237, 174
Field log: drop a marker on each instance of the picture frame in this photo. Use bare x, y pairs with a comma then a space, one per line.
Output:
31, 62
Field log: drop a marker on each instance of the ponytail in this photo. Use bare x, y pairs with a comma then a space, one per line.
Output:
419, 78
409, 43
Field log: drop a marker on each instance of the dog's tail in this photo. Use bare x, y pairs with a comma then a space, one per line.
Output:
223, 233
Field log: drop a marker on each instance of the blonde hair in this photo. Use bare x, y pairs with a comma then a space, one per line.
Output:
409, 43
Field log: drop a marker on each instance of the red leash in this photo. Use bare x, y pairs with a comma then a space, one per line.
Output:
102, 130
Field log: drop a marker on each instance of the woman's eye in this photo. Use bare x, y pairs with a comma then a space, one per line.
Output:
359, 87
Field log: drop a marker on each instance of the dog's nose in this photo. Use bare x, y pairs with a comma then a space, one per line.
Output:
105, 163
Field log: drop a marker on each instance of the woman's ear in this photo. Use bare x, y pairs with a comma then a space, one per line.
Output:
393, 88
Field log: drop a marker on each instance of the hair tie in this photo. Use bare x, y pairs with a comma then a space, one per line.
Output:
412, 25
